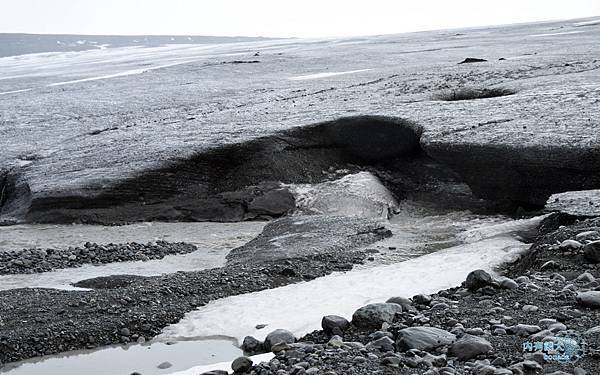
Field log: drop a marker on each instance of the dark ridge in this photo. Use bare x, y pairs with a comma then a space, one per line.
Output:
520, 175
108, 282
471, 60
470, 93
223, 183
15, 197
241, 62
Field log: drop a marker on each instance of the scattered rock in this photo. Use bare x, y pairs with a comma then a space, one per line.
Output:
589, 299
241, 364
383, 344
591, 252
330, 322
570, 245
164, 365
507, 283
549, 265
588, 235
278, 336
374, 315
251, 345
468, 347
478, 279
422, 299
423, 338
595, 331
402, 301
523, 329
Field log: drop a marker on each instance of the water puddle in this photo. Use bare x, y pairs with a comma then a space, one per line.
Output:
124, 360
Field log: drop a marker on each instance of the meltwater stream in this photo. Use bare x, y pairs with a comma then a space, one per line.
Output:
430, 250
214, 241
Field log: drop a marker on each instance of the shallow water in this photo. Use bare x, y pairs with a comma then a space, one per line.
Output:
214, 241
300, 307
204, 234
123, 360
431, 249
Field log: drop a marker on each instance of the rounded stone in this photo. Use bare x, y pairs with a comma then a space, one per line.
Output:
374, 315
278, 336
329, 323
241, 364
478, 279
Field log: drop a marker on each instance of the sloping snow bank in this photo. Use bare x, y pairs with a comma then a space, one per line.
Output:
300, 307
225, 366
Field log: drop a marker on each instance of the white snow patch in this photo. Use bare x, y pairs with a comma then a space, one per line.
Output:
588, 23
561, 33
326, 74
120, 74
14, 91
225, 366
300, 307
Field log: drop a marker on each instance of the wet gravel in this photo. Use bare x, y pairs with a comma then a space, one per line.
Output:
36, 322
37, 260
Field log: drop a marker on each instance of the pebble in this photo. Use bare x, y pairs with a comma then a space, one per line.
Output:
530, 308
331, 322
523, 329
277, 337
591, 252
589, 299
570, 245
423, 338
478, 279
469, 346
590, 234
241, 364
164, 365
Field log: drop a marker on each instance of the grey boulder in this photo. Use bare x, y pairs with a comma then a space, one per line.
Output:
523, 329
277, 337
402, 301
589, 299
241, 364
591, 251
374, 315
383, 344
251, 345
478, 279
423, 338
469, 347
329, 323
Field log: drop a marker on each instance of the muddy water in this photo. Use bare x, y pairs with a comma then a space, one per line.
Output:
431, 249
214, 241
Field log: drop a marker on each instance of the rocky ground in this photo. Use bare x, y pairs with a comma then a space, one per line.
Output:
122, 309
44, 260
513, 324
125, 308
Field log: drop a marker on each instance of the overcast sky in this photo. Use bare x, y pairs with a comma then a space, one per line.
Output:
277, 18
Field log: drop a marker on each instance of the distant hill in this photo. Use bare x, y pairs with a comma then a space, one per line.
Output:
20, 44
